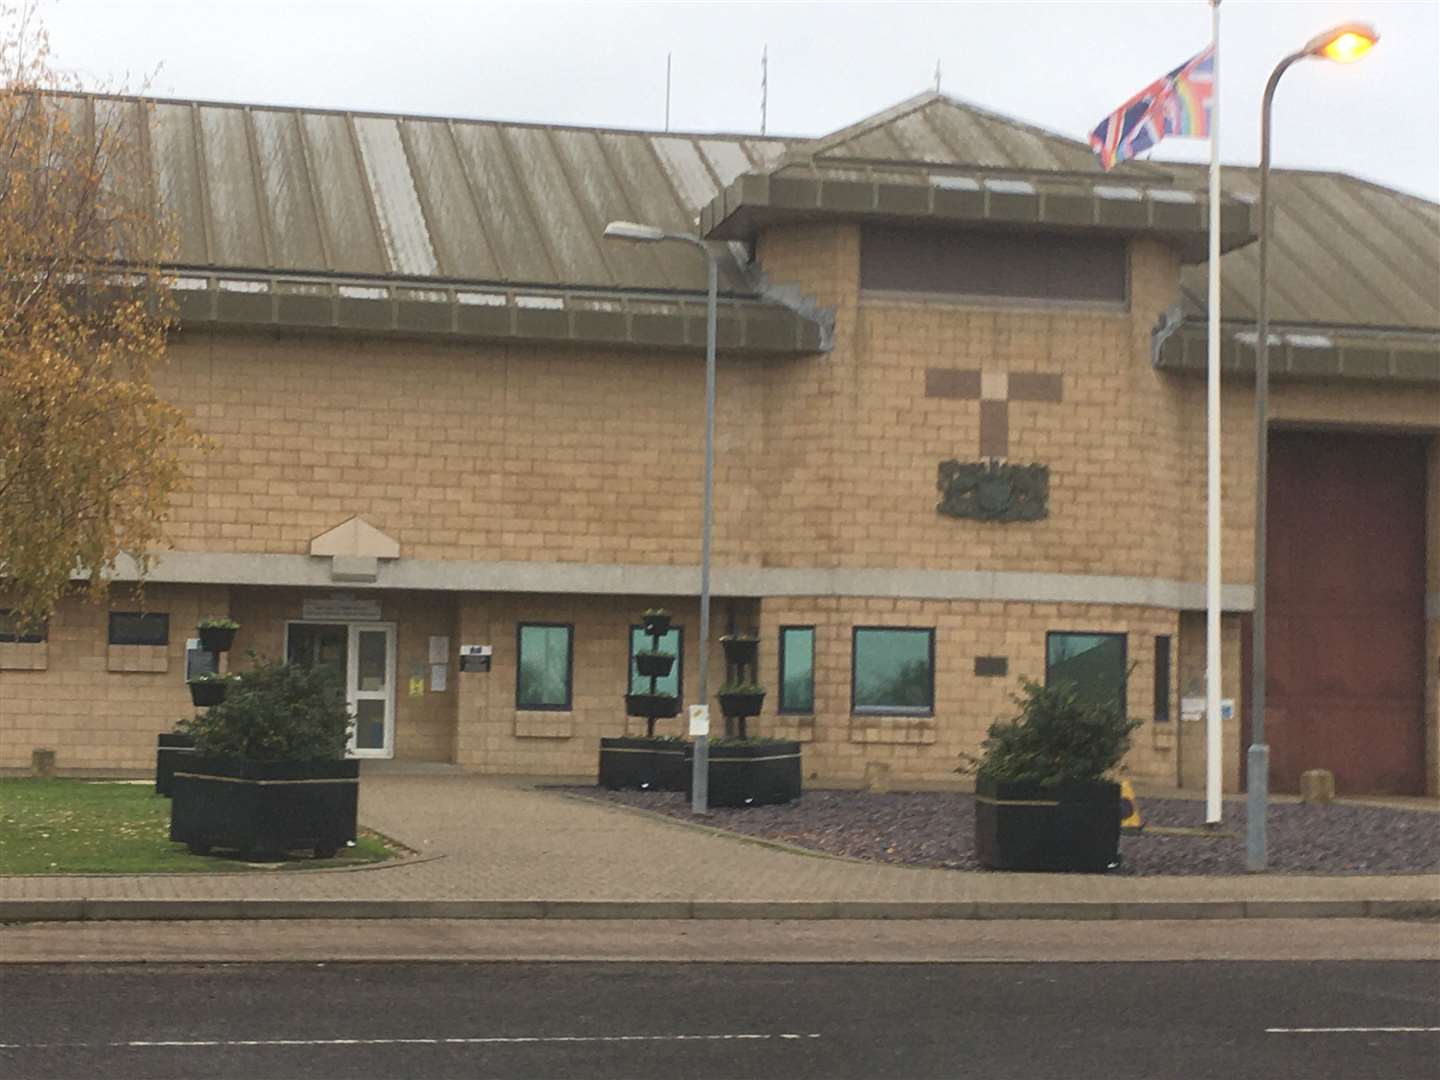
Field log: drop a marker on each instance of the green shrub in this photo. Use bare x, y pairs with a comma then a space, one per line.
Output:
276, 712
1055, 738
217, 622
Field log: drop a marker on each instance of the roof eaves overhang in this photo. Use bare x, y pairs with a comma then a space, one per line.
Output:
531, 316
1348, 354
1180, 216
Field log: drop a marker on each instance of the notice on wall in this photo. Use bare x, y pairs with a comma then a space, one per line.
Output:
437, 678
417, 686
474, 658
1193, 709
340, 607
439, 650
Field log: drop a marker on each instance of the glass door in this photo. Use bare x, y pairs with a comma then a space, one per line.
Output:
372, 689
363, 654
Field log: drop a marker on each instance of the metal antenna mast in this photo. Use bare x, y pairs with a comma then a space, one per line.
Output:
937, 74
667, 91
764, 85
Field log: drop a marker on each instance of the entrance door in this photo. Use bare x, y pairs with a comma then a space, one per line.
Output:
1345, 634
364, 656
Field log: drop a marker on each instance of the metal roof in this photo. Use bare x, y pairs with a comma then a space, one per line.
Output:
1343, 252
309, 191
348, 196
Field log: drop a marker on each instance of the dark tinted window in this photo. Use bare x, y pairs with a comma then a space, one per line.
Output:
134, 628
1024, 266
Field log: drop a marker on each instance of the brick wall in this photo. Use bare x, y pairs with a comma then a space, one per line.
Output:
100, 706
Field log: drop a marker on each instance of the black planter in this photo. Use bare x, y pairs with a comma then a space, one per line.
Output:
750, 773
741, 652
1074, 827
647, 764
216, 639
264, 806
171, 748
652, 706
657, 625
741, 704
207, 692
655, 665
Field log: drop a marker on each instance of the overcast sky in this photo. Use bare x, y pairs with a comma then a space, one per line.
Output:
1059, 65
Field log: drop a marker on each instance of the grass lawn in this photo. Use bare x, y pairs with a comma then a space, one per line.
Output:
96, 827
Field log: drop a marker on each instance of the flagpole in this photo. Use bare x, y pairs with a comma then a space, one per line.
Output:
1213, 741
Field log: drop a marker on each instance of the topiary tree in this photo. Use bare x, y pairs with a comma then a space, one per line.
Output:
276, 712
1055, 738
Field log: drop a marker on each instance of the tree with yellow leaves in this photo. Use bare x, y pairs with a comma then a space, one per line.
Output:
89, 453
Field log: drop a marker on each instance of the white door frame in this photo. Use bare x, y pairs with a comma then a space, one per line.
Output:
352, 670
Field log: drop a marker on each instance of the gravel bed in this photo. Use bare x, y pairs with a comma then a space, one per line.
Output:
937, 829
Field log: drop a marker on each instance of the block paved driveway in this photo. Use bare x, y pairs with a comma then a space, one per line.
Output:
492, 838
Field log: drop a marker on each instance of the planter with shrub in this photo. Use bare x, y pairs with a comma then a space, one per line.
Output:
649, 762
217, 633
1042, 797
172, 748
268, 772
656, 763
750, 772
741, 650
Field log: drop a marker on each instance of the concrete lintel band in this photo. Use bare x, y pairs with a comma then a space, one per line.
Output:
203, 568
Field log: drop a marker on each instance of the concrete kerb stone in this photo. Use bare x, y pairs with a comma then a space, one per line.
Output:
40, 910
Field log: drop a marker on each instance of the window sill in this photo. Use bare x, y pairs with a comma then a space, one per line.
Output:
903, 730
799, 727
538, 724
151, 659
24, 656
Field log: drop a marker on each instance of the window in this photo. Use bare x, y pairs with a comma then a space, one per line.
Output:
543, 666
1162, 678
671, 642
1093, 663
797, 669
135, 628
893, 671
1036, 266
11, 633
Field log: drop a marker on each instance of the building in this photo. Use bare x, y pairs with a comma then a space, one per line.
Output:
960, 440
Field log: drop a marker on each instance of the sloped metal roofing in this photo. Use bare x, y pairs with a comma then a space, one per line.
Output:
935, 129
321, 194
373, 196
1343, 252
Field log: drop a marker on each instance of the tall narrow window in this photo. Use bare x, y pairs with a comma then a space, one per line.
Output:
1093, 663
672, 641
1162, 678
136, 628
543, 666
797, 669
893, 671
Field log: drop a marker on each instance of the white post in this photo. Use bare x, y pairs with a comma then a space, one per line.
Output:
1214, 743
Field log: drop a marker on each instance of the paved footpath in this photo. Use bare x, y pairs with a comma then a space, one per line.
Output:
503, 848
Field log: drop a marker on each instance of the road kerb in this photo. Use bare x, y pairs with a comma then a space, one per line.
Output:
53, 910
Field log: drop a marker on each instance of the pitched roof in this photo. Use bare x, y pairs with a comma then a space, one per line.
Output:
364, 195
936, 129
1343, 252
341, 195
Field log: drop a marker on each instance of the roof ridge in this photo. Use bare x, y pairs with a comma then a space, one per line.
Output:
425, 117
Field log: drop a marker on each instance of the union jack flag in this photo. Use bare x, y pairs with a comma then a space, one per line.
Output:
1177, 103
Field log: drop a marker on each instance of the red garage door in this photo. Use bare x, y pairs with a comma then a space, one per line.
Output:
1345, 644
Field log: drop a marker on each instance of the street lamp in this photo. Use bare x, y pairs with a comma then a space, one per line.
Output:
1344, 44
650, 234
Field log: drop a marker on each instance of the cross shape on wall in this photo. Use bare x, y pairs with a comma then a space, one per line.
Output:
994, 390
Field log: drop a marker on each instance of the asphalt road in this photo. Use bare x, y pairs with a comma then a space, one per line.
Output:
994, 1020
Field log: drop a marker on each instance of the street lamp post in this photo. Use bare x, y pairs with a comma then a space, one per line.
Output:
650, 234
1343, 44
